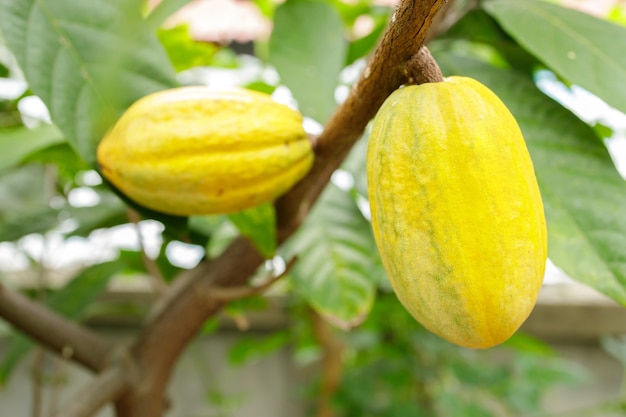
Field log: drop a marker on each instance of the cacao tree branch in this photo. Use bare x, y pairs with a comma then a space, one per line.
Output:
385, 72
179, 314
176, 319
107, 385
60, 335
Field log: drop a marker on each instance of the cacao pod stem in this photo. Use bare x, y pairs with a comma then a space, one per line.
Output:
422, 68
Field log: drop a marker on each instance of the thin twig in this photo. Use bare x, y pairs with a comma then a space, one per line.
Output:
159, 286
37, 380
59, 366
40, 296
332, 364
226, 294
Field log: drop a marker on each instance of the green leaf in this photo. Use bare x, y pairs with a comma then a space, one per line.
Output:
615, 346
335, 250
253, 347
23, 207
478, 28
83, 289
363, 46
528, 344
581, 48
24, 223
618, 15
162, 11
259, 225
22, 189
63, 156
19, 143
603, 131
266, 7
210, 326
453, 404
261, 86
205, 225
88, 61
109, 212
308, 49
223, 234
17, 347
70, 301
243, 306
183, 51
583, 194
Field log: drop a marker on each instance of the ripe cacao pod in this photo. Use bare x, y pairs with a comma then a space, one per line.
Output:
456, 210
192, 150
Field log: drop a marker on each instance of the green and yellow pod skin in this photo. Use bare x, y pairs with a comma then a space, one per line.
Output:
456, 210
192, 150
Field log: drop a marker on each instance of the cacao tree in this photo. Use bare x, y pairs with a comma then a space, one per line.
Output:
89, 62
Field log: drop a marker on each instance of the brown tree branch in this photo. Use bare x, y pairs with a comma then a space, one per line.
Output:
176, 320
107, 385
420, 64
385, 72
62, 336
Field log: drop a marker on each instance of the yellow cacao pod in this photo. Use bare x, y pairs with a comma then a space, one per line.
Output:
456, 210
192, 150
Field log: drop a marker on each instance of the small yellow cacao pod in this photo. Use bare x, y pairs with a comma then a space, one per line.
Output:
456, 210
193, 150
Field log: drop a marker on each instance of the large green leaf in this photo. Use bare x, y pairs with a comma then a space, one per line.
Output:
70, 302
336, 257
585, 50
479, 28
87, 60
583, 194
18, 143
308, 49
